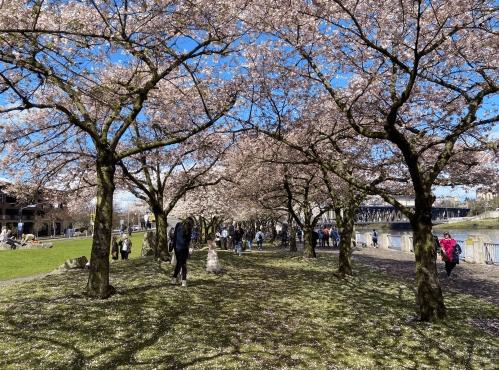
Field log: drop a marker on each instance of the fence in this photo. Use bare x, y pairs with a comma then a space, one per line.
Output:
491, 253
395, 241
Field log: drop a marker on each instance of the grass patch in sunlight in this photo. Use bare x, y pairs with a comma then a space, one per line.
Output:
28, 262
266, 311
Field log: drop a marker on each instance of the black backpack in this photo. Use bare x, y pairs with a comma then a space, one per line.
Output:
457, 250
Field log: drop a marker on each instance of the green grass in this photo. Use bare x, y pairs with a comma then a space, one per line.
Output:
20, 263
269, 310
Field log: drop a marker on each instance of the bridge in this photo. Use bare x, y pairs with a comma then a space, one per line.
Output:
368, 214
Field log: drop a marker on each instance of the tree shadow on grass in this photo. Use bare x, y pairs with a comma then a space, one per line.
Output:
268, 311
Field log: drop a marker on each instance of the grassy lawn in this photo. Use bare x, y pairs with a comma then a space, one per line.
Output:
269, 310
19, 263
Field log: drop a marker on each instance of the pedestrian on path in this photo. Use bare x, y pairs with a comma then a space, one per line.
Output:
374, 236
181, 239
225, 235
238, 240
259, 239
335, 235
449, 258
115, 248
249, 237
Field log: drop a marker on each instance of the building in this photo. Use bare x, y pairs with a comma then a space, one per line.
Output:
33, 216
485, 195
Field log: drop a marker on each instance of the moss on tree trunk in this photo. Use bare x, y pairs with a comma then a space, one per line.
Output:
98, 278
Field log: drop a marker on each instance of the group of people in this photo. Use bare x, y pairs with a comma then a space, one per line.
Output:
7, 237
122, 246
324, 235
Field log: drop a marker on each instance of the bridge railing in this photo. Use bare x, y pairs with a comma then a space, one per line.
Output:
491, 253
394, 241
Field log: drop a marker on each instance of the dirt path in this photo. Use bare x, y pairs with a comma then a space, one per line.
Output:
477, 280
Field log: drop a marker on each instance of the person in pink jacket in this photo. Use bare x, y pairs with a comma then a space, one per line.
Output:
448, 246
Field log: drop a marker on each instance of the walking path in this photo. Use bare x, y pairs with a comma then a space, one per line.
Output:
476, 280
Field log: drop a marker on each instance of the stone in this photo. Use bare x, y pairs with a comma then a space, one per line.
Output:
34, 245
75, 263
149, 244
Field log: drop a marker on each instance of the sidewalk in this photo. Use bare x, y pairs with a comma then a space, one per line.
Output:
476, 280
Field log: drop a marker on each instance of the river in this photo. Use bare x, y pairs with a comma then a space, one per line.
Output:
457, 234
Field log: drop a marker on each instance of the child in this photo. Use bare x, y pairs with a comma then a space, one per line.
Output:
212, 262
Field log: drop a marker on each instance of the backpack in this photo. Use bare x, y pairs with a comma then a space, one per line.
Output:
260, 237
456, 252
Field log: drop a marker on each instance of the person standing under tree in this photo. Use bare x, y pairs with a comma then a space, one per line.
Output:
181, 239
259, 239
115, 248
448, 256
374, 236
249, 237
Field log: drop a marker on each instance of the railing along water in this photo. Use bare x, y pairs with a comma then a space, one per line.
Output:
491, 253
395, 241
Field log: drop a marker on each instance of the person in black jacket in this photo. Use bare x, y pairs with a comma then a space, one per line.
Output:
238, 240
232, 230
437, 244
181, 240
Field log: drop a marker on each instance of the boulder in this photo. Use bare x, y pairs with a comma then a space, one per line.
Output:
75, 263
34, 245
149, 244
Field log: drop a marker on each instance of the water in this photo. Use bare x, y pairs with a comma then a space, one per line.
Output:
460, 235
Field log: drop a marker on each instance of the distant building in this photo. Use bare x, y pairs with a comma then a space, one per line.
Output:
485, 194
12, 212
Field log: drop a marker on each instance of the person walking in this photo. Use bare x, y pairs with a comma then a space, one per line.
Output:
130, 229
232, 231
238, 240
122, 230
299, 234
321, 240
437, 244
259, 239
218, 239
325, 236
450, 258
115, 248
335, 236
225, 234
374, 237
181, 239
249, 237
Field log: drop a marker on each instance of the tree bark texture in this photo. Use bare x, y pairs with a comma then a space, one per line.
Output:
431, 301
98, 279
161, 251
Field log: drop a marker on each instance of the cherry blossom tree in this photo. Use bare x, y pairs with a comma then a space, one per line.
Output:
77, 76
160, 178
417, 78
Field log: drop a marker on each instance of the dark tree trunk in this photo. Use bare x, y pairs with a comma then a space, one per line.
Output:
98, 277
345, 229
431, 301
161, 251
292, 234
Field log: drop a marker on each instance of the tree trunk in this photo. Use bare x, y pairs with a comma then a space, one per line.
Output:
345, 229
161, 251
431, 301
98, 277
292, 234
